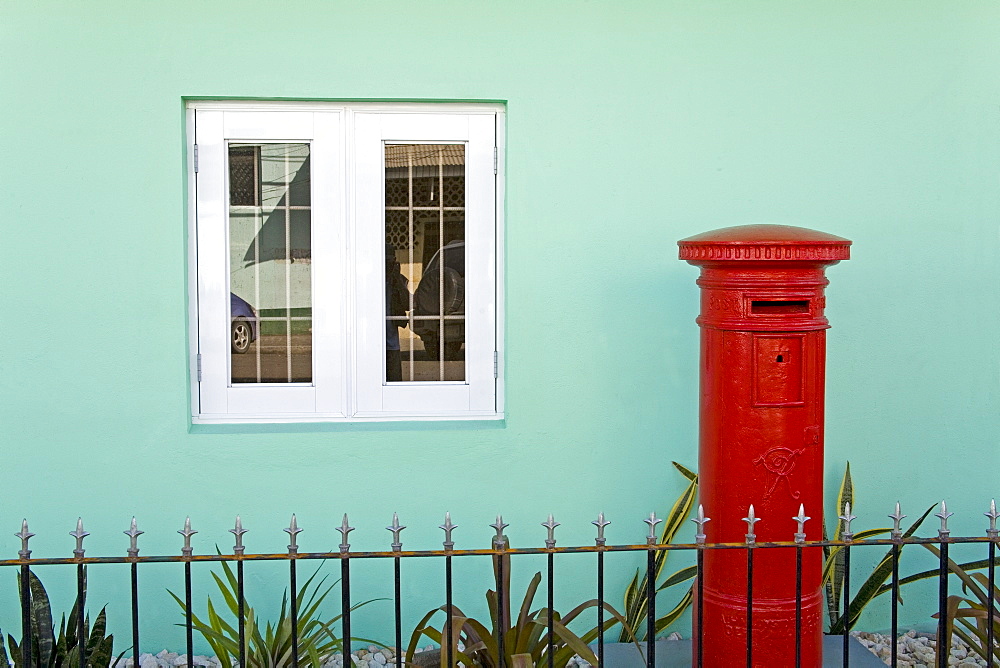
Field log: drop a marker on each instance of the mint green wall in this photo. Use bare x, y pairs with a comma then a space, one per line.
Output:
630, 125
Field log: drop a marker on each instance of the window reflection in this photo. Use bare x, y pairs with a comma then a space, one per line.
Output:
425, 262
270, 259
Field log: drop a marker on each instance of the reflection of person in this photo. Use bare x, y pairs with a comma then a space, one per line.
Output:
397, 302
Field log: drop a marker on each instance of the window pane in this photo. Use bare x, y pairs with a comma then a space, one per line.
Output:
425, 262
270, 258
244, 179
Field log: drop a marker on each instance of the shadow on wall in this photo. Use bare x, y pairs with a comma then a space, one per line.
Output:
286, 232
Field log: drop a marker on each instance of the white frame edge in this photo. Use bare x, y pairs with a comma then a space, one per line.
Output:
484, 108
192, 259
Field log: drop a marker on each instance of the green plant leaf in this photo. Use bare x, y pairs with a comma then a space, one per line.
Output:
457, 622
833, 550
934, 572
270, 645
635, 602
845, 495
228, 596
632, 603
483, 635
15, 652
834, 558
675, 519
949, 626
571, 640
529, 596
666, 620
419, 630
680, 576
686, 472
4, 660
521, 661
874, 585
49, 650
43, 638
223, 639
97, 633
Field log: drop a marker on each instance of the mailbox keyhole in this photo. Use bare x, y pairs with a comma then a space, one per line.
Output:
781, 358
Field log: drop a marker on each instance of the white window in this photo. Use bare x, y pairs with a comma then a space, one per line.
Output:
345, 261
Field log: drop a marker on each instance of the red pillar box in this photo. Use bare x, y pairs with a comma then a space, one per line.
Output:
763, 345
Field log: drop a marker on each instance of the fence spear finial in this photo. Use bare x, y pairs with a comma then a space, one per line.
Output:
24, 535
847, 535
700, 520
344, 529
992, 531
943, 515
800, 535
896, 518
448, 527
293, 531
550, 524
395, 528
751, 520
133, 534
238, 531
600, 523
499, 540
187, 532
79, 534
652, 522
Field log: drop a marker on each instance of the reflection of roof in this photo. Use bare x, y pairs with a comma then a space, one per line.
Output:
424, 155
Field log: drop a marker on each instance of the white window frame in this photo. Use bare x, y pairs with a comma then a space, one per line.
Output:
347, 223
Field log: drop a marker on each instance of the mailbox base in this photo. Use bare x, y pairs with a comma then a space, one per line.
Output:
677, 654
724, 631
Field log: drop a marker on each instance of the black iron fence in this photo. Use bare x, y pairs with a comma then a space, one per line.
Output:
501, 552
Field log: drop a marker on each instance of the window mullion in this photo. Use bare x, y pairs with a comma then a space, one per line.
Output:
409, 237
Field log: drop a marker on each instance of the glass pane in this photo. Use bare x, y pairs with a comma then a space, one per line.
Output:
425, 262
270, 263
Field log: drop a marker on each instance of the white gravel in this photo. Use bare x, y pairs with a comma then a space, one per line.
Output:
918, 650
373, 657
914, 650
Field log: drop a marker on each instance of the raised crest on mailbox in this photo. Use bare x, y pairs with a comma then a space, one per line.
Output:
763, 357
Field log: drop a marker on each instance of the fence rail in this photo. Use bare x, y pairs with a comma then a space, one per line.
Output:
500, 550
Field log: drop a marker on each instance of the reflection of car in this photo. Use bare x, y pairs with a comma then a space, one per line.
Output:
244, 324
447, 282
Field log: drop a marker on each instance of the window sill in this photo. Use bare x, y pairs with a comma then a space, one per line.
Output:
340, 419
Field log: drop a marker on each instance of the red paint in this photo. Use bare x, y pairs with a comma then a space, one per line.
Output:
763, 346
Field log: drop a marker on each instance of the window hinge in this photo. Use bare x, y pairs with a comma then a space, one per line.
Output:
496, 365
196, 164
495, 160
199, 367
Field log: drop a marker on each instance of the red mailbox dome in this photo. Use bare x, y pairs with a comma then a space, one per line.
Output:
764, 242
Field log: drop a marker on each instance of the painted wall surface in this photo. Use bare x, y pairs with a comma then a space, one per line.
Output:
630, 126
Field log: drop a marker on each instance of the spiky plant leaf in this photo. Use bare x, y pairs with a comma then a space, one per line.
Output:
43, 638
636, 603
15, 652
833, 559
270, 645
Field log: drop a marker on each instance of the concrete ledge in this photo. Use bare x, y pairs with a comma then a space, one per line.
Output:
677, 654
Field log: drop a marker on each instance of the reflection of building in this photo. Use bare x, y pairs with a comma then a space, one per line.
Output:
269, 216
429, 182
269, 228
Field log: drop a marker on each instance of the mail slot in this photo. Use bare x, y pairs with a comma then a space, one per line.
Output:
763, 347
778, 307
